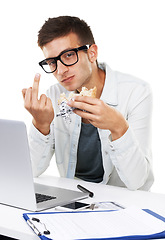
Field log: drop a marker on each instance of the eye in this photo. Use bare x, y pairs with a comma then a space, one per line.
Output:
51, 62
68, 55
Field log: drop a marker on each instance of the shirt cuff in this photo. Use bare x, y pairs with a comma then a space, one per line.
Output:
34, 133
123, 143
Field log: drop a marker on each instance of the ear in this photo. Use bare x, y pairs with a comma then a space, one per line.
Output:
92, 53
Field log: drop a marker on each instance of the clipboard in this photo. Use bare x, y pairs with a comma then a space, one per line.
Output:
45, 232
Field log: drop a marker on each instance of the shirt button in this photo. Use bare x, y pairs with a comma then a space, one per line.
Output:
112, 147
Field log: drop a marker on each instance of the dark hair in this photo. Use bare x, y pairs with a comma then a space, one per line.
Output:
62, 26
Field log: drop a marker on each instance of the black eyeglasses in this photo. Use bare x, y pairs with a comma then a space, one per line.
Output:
67, 57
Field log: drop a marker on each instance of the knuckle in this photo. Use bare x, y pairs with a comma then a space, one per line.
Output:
100, 103
81, 105
99, 111
34, 107
43, 96
49, 102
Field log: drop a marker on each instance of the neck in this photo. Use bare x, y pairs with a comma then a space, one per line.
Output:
97, 79
100, 82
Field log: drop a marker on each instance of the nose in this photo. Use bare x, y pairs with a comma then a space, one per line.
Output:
61, 68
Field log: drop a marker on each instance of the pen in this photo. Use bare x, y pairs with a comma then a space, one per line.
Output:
117, 205
34, 228
83, 189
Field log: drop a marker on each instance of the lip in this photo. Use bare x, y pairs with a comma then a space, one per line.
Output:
68, 79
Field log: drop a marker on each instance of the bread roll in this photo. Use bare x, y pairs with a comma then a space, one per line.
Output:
84, 92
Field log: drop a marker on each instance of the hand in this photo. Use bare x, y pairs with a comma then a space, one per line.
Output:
100, 115
41, 109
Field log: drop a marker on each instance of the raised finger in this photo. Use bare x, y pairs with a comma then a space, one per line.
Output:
35, 87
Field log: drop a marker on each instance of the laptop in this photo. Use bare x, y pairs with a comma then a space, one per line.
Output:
17, 187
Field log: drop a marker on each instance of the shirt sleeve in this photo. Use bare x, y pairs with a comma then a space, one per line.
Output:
41, 150
131, 154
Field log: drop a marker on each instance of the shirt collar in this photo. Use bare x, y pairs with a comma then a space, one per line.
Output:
109, 93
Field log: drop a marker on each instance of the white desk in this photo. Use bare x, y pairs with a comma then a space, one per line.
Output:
13, 225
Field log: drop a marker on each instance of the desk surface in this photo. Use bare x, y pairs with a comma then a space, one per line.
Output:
13, 225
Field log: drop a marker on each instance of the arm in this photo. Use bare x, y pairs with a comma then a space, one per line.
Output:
130, 152
41, 150
40, 137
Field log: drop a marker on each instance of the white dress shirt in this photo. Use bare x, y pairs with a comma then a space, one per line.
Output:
127, 161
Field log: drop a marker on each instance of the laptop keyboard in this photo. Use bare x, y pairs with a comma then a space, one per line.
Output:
42, 197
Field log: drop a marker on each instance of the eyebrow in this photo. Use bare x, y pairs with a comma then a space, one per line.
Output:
67, 49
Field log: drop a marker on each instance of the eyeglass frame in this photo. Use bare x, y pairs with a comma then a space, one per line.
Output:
84, 47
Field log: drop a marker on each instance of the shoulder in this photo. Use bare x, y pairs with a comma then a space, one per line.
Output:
124, 78
117, 78
134, 88
128, 82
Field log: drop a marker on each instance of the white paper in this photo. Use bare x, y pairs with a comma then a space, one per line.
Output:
86, 225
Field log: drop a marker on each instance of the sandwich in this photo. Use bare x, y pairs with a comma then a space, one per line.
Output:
84, 92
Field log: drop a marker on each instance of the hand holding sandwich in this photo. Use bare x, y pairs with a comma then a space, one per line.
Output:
100, 115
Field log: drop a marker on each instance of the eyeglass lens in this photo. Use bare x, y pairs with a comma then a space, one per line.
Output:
68, 58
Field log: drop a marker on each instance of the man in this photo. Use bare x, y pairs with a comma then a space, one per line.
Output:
108, 139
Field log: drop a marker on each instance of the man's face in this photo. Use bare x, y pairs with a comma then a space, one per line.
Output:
70, 77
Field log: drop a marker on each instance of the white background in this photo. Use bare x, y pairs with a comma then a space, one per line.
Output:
130, 35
